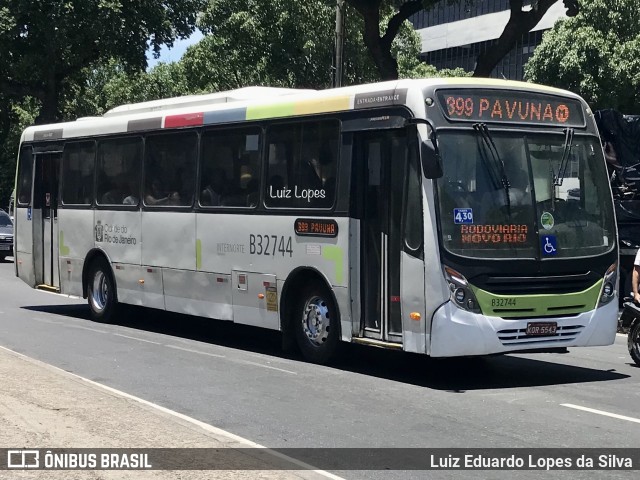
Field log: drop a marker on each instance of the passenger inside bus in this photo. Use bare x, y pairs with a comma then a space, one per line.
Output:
185, 187
156, 195
213, 193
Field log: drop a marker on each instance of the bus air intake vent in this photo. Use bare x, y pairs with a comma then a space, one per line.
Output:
518, 336
535, 285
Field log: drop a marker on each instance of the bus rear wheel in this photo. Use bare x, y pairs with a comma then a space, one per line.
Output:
101, 292
316, 324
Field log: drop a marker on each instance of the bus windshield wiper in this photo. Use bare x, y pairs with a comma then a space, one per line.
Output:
564, 162
499, 177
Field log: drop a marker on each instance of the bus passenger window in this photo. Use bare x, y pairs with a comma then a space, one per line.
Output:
77, 173
118, 170
230, 168
170, 166
302, 165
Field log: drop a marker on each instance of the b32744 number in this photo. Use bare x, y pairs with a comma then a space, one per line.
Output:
503, 302
270, 245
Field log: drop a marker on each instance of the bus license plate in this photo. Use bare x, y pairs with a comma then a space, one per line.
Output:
4, 247
542, 328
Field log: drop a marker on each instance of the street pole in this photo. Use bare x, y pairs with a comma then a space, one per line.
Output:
337, 79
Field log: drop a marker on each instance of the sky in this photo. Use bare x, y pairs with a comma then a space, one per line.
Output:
174, 54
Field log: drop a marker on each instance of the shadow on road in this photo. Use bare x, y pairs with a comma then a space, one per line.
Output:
455, 375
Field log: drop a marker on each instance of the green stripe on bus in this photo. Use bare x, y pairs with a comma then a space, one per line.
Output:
198, 254
517, 306
256, 112
335, 254
64, 250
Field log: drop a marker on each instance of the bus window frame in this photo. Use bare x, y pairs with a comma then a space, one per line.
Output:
79, 206
319, 211
143, 171
109, 138
214, 130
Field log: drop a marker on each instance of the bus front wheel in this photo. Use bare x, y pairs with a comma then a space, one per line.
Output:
101, 292
316, 324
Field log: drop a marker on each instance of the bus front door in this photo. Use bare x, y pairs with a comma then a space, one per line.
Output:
45, 220
379, 160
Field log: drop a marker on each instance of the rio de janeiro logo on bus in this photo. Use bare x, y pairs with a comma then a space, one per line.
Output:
99, 231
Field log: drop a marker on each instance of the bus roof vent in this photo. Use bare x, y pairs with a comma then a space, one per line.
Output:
240, 94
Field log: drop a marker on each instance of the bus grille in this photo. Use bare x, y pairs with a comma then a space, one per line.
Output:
518, 336
516, 285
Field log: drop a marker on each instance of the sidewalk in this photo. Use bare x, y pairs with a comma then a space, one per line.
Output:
44, 407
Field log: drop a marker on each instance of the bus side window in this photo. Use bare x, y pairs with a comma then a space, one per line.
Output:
302, 164
118, 169
77, 173
230, 168
170, 166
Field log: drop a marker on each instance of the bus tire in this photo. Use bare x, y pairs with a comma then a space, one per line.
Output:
101, 292
633, 342
316, 323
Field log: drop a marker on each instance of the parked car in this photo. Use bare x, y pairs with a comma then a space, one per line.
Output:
6, 235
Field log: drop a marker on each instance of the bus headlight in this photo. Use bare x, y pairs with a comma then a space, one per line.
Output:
608, 291
461, 294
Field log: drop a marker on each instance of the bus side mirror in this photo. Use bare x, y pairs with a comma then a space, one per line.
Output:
430, 158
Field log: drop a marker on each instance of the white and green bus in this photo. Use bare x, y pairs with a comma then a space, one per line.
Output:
449, 217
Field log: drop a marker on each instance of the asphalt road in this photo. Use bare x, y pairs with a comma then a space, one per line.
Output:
236, 378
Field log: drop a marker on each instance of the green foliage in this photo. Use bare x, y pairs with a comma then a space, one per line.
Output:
594, 54
288, 44
22, 115
269, 42
110, 85
46, 46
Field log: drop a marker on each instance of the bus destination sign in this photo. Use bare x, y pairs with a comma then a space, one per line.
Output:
510, 107
322, 227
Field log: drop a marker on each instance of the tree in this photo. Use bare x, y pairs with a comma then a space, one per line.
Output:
289, 44
110, 85
262, 42
521, 21
46, 46
594, 54
379, 45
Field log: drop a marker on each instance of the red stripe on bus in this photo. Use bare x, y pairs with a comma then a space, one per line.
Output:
185, 120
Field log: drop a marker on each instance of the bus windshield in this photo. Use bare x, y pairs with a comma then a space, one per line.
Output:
509, 195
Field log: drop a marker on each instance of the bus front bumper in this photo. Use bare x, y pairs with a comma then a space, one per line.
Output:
456, 332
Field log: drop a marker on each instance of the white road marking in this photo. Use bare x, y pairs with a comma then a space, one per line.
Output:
204, 426
63, 324
602, 412
136, 338
267, 366
195, 351
84, 328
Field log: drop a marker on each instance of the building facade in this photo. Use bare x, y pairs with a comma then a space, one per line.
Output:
454, 35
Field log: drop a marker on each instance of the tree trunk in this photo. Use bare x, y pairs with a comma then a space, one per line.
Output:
520, 23
379, 50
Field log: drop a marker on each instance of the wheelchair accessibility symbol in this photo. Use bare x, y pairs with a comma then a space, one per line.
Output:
549, 245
